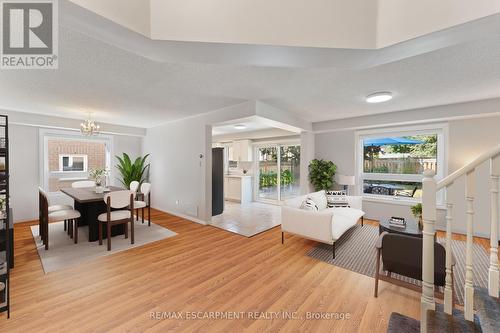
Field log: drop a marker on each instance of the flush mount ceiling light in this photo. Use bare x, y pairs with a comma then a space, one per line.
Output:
240, 126
379, 97
89, 127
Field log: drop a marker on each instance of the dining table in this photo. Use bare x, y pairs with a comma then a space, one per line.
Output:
90, 205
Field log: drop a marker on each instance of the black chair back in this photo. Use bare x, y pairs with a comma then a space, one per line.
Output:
402, 255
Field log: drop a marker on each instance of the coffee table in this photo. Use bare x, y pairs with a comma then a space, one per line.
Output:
411, 228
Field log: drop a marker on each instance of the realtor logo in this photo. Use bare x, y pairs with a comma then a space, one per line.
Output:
29, 34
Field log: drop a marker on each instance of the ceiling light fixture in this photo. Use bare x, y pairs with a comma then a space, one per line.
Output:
240, 126
89, 127
379, 97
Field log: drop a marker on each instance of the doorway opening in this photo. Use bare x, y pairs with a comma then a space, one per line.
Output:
255, 166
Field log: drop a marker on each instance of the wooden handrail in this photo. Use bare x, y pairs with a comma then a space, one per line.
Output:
468, 167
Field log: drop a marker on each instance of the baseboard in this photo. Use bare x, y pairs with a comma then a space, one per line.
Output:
186, 217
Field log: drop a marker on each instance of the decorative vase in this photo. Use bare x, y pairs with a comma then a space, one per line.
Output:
98, 187
420, 223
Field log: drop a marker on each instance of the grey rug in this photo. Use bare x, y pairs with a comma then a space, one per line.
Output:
63, 252
356, 252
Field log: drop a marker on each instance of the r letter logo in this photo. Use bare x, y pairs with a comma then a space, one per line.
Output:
29, 34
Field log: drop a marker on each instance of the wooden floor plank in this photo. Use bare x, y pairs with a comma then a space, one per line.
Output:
203, 268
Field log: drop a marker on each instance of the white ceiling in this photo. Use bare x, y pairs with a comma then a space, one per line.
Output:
252, 124
125, 88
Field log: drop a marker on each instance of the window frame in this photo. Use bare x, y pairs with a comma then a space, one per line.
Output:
71, 156
440, 129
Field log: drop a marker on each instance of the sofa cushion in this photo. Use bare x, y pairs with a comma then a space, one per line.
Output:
320, 199
343, 219
309, 204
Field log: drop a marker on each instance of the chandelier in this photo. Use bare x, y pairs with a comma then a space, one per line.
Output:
89, 127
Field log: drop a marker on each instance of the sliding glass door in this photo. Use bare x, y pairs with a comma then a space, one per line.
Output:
268, 173
278, 172
289, 172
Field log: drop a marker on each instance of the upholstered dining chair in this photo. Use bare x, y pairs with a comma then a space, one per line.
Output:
145, 195
83, 184
69, 215
51, 209
123, 203
134, 186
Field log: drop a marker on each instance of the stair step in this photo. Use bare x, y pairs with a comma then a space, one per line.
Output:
439, 321
488, 310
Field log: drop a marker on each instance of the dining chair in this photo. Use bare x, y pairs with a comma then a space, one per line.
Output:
141, 204
123, 202
69, 215
134, 186
83, 184
51, 209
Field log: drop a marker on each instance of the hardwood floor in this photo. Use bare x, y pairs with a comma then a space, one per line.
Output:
202, 269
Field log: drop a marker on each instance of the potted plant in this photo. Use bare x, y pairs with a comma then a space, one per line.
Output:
97, 174
417, 212
321, 174
130, 171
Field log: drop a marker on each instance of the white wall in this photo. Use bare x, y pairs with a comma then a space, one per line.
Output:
181, 179
134, 14
320, 23
467, 139
24, 180
400, 20
24, 168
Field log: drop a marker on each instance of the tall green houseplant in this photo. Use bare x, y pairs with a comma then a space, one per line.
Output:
130, 171
321, 174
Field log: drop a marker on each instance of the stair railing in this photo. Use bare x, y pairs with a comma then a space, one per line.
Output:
430, 187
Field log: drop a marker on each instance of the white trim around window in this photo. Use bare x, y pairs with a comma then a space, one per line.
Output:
440, 129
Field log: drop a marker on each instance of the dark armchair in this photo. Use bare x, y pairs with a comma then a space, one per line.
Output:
402, 255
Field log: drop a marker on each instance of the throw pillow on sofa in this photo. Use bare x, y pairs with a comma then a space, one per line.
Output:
309, 204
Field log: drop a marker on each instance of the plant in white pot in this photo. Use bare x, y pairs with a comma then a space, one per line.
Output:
97, 175
417, 212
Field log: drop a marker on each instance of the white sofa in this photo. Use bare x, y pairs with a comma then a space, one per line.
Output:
325, 225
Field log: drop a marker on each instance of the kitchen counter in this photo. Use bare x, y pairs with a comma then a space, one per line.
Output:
238, 188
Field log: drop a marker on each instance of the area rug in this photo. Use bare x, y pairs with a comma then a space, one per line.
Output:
63, 252
356, 252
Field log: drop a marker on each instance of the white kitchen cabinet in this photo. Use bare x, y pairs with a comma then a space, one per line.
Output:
242, 150
238, 188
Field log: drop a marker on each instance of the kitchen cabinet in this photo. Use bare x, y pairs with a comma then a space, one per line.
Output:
238, 188
241, 151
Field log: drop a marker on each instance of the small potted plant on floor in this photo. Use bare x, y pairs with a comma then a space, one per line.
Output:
97, 175
417, 212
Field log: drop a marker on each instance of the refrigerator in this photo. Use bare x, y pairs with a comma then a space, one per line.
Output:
217, 181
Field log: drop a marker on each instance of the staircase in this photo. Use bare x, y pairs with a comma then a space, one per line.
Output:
481, 307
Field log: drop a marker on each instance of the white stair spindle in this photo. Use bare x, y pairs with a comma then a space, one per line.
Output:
448, 289
470, 189
493, 272
429, 218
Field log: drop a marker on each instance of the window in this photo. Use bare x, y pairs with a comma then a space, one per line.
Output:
391, 162
66, 157
68, 163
